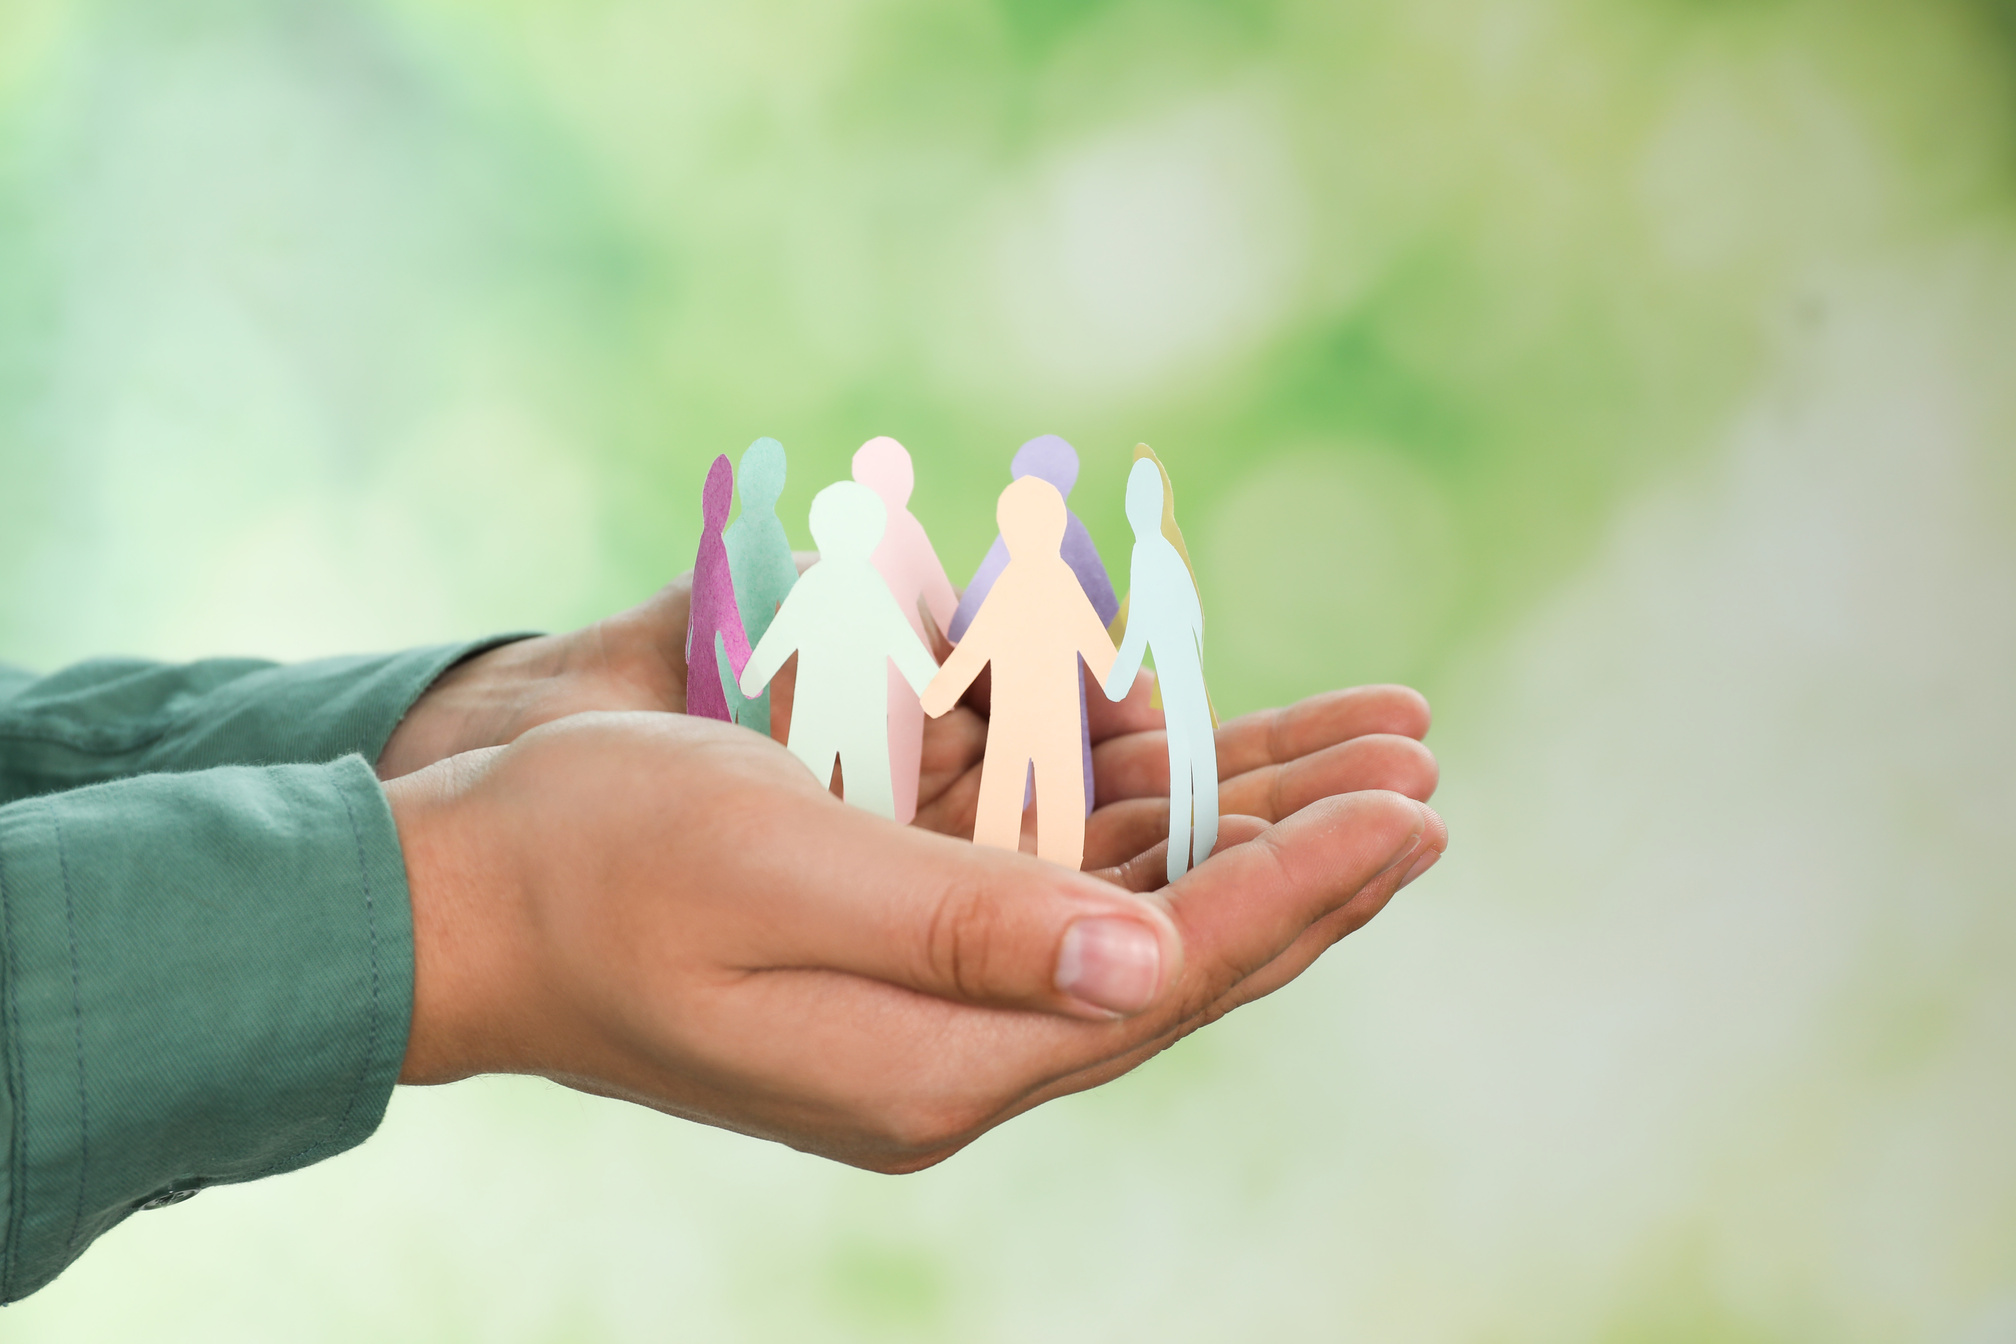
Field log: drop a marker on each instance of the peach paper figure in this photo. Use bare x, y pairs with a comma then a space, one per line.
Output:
1033, 628
910, 567
713, 616
1117, 627
1049, 458
759, 558
1168, 623
845, 627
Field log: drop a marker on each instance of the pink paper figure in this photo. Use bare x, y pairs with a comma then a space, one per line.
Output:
1034, 627
713, 623
1049, 458
910, 567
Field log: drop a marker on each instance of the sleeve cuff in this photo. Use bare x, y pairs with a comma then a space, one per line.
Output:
309, 712
204, 978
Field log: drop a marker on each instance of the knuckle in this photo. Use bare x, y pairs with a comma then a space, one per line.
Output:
960, 940
919, 1131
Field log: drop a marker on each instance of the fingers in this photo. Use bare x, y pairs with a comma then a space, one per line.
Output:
1121, 828
1379, 761
1136, 765
1113, 718
849, 892
1275, 736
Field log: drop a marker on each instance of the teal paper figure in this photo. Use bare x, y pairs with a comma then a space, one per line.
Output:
1165, 619
759, 556
846, 628
912, 570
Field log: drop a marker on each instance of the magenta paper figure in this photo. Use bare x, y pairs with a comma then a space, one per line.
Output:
1052, 459
911, 568
713, 624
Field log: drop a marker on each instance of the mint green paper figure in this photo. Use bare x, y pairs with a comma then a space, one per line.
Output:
1165, 619
844, 625
759, 559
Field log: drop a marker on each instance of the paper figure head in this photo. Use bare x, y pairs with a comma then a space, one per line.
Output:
761, 476
1032, 517
847, 521
1049, 458
883, 465
1144, 498
717, 494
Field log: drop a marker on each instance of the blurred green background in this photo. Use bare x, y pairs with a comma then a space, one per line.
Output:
1636, 376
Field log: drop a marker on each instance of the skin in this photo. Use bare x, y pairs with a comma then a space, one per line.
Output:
878, 994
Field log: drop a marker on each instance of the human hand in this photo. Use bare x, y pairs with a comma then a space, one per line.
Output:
673, 911
1271, 763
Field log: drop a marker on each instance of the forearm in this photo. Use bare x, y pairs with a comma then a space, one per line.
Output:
110, 719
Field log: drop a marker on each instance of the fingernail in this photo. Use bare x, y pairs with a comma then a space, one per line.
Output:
1421, 865
1115, 964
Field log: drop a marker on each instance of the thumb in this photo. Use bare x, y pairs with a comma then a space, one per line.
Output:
959, 921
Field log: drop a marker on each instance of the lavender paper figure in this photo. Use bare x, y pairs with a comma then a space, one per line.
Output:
1052, 459
713, 623
760, 562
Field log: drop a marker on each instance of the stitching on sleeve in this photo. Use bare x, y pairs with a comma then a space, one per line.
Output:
371, 938
77, 1018
17, 1156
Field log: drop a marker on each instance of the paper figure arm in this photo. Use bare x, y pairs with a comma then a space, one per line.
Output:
1127, 663
912, 659
1094, 645
735, 639
968, 657
939, 598
779, 642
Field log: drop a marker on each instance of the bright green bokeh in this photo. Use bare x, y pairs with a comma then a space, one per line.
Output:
1633, 375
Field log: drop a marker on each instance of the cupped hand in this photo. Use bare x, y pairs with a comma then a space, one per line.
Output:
673, 911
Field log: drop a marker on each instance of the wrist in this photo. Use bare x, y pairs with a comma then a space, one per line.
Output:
464, 907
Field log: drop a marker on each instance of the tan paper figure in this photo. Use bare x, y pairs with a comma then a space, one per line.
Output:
1034, 626
911, 569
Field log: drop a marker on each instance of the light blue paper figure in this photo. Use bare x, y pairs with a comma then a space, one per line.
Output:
759, 556
1165, 619
846, 628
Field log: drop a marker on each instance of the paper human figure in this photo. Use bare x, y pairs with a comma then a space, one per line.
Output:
759, 557
1167, 623
1118, 628
1049, 458
846, 628
1035, 626
713, 621
910, 567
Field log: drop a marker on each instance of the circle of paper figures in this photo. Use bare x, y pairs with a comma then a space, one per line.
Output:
1040, 612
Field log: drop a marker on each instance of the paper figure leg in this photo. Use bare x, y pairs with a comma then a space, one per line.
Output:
864, 774
1085, 735
818, 757
1085, 743
906, 745
1182, 800
1204, 790
997, 818
1060, 811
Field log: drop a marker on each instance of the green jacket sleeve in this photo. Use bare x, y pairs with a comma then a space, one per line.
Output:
206, 950
204, 978
111, 718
